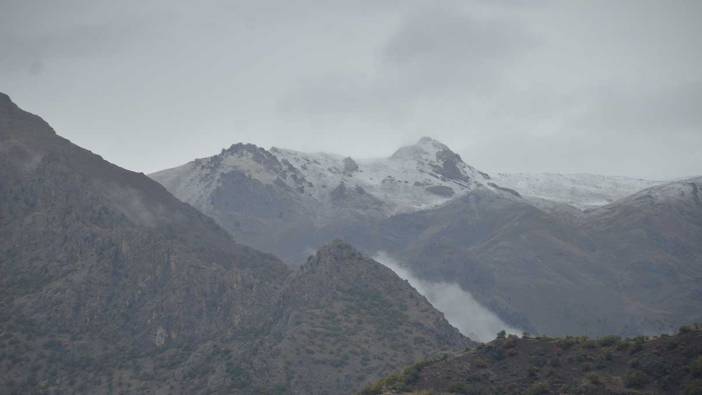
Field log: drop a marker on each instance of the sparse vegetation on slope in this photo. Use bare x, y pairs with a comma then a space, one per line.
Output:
570, 365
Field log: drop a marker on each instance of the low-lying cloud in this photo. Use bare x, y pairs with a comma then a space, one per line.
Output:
460, 308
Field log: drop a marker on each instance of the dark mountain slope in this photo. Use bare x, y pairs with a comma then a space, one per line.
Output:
609, 365
345, 320
103, 271
108, 284
653, 239
537, 272
632, 267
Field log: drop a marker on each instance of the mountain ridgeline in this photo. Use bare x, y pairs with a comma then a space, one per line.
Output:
549, 254
109, 284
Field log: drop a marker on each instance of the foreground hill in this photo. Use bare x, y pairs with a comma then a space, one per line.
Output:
109, 284
609, 365
345, 318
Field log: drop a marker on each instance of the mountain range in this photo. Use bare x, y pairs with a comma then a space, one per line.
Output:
550, 254
229, 274
109, 284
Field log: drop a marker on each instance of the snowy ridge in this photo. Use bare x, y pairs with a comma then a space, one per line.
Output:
583, 191
686, 190
195, 181
416, 177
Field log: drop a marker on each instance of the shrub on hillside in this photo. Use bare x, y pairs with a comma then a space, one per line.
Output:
694, 388
636, 379
696, 367
609, 341
539, 388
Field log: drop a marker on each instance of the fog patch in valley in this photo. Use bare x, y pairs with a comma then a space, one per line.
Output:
459, 307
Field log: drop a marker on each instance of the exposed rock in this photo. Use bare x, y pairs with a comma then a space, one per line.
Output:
441, 190
350, 165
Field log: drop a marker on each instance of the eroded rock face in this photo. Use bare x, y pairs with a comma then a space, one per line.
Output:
441, 190
350, 165
448, 166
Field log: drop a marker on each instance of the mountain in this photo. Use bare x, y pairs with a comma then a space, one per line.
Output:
422, 175
609, 365
654, 240
629, 268
582, 191
537, 272
344, 319
517, 244
106, 278
285, 202
108, 283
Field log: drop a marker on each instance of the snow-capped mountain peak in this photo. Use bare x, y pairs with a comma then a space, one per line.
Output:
425, 149
415, 177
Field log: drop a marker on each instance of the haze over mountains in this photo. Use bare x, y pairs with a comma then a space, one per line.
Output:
109, 284
552, 254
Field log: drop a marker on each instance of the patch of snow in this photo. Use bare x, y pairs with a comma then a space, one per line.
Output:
400, 181
583, 191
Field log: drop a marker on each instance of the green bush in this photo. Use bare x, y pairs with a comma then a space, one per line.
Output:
636, 379
593, 378
696, 367
694, 388
463, 389
539, 388
609, 341
686, 329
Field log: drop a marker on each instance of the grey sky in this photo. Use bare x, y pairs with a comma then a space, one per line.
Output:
612, 87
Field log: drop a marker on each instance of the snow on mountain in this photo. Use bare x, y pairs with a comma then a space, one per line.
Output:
325, 186
680, 191
415, 177
583, 191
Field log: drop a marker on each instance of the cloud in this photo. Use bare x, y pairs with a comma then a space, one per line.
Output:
439, 50
459, 307
436, 53
596, 86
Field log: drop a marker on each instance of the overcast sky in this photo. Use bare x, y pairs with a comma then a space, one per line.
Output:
612, 87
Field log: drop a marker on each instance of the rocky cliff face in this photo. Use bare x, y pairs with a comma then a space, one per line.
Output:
109, 284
